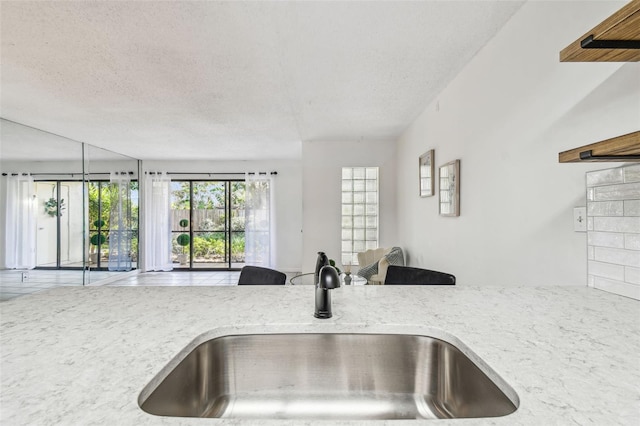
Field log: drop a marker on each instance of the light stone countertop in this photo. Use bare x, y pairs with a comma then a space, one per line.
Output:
81, 356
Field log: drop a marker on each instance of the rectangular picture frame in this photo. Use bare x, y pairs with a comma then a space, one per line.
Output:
426, 173
449, 188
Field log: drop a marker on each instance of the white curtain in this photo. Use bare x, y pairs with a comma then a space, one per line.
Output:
259, 230
157, 222
120, 232
20, 224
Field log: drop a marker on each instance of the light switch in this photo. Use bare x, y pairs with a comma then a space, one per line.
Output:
580, 219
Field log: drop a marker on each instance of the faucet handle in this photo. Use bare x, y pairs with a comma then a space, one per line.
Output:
329, 278
321, 261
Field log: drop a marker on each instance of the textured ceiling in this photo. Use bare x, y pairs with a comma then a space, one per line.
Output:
233, 80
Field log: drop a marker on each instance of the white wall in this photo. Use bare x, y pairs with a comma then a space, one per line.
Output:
506, 116
322, 164
288, 192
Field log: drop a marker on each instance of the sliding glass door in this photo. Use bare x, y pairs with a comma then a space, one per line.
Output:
208, 224
59, 224
110, 217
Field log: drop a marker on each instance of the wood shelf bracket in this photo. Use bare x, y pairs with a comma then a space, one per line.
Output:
621, 148
615, 39
591, 43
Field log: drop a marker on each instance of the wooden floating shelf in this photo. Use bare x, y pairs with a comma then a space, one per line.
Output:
621, 148
620, 29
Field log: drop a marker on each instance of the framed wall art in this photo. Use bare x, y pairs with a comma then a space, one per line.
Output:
449, 175
426, 173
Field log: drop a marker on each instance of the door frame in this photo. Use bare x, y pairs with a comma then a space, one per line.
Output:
228, 231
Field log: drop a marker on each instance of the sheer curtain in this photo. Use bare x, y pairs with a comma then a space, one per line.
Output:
120, 232
259, 230
157, 222
20, 224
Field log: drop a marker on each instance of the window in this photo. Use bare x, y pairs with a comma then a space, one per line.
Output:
59, 224
61, 218
359, 212
104, 204
207, 224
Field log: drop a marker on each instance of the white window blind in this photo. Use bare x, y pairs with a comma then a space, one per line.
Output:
359, 212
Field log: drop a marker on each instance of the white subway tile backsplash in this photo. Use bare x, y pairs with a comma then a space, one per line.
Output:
605, 239
617, 224
617, 256
606, 208
627, 191
631, 207
606, 270
632, 275
632, 241
613, 230
632, 173
605, 177
617, 287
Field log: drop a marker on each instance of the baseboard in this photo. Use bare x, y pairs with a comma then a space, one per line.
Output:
115, 277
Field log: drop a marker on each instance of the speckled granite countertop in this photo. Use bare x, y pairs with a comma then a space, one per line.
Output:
81, 356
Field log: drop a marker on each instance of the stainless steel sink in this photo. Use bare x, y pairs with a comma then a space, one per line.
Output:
326, 376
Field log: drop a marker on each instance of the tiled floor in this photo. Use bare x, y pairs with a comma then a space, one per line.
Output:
12, 283
191, 278
12, 286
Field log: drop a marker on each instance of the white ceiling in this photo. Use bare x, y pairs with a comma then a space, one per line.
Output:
233, 80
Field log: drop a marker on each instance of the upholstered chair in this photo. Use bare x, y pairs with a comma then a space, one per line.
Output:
374, 263
256, 275
412, 276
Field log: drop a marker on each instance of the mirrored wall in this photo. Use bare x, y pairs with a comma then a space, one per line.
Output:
71, 211
112, 196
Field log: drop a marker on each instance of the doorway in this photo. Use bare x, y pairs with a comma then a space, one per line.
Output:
108, 220
207, 224
59, 224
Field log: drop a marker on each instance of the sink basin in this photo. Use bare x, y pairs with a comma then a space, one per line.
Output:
326, 376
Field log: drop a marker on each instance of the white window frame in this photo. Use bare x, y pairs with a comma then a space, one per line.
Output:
360, 211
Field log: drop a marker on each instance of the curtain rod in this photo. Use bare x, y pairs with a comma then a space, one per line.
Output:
214, 173
63, 174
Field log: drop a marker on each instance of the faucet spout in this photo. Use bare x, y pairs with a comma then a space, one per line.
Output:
328, 279
321, 260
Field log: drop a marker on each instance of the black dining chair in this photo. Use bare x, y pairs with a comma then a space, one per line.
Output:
257, 275
415, 276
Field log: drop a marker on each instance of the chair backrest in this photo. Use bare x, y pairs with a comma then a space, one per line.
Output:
415, 276
371, 256
256, 275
